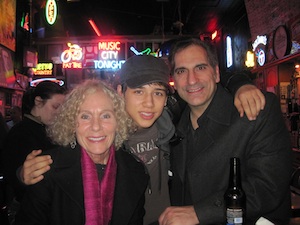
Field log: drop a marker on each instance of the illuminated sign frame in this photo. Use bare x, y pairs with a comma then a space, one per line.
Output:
71, 58
259, 40
43, 69
105, 55
259, 49
51, 11
37, 81
261, 56
108, 52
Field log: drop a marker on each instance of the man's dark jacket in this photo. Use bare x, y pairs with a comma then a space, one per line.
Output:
58, 198
263, 147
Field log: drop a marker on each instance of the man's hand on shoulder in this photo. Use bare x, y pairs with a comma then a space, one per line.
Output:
34, 167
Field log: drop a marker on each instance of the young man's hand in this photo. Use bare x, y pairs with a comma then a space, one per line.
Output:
34, 167
184, 215
249, 100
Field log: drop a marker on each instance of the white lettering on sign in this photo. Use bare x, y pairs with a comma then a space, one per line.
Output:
108, 64
259, 40
109, 55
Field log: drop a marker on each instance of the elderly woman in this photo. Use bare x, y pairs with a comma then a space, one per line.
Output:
89, 181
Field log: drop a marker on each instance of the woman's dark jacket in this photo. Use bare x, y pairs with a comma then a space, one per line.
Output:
27, 135
59, 200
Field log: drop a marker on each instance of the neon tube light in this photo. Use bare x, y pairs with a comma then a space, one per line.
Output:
51, 11
94, 26
147, 51
229, 55
214, 35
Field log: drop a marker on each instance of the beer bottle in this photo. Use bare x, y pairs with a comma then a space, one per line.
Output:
235, 198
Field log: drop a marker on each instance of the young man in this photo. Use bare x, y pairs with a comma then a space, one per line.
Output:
145, 88
212, 132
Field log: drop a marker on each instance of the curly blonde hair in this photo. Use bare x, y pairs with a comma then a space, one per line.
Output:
62, 131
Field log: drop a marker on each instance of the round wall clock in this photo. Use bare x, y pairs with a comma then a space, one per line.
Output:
281, 42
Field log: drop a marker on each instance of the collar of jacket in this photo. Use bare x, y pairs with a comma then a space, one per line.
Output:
218, 111
36, 119
166, 130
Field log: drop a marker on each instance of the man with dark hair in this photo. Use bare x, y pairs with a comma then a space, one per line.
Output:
211, 131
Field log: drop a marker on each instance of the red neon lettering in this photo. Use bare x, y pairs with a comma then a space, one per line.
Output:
77, 65
67, 65
109, 45
73, 65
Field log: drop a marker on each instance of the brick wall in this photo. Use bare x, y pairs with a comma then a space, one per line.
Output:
265, 16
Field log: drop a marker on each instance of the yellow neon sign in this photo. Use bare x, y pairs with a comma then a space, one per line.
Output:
249, 59
43, 69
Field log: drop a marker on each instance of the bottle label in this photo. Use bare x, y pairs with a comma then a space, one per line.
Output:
234, 216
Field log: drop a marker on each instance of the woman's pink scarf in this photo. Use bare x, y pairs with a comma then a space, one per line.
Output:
98, 196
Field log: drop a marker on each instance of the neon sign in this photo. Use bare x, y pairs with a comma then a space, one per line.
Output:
110, 64
249, 59
25, 21
259, 40
214, 35
37, 81
43, 69
71, 56
51, 11
108, 52
229, 56
259, 49
111, 45
261, 57
147, 51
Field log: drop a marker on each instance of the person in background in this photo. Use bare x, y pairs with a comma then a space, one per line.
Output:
3, 191
3, 130
92, 179
211, 131
15, 115
39, 105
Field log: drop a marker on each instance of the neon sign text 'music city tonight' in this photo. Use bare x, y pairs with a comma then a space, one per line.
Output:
108, 52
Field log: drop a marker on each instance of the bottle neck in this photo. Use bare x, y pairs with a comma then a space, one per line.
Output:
235, 173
